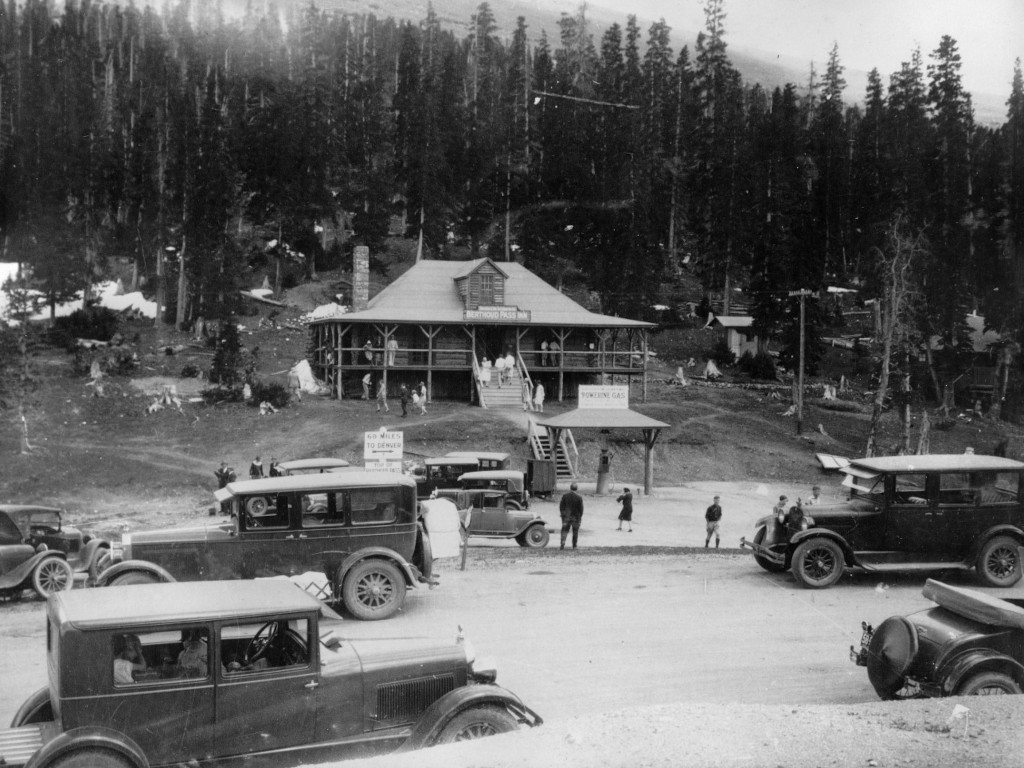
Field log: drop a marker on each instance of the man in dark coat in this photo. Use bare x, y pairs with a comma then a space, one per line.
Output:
571, 510
712, 518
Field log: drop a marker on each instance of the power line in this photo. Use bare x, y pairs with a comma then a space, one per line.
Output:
587, 101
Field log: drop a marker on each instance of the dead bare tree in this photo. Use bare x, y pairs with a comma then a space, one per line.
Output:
898, 287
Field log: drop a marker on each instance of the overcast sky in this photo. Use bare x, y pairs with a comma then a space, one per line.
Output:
870, 33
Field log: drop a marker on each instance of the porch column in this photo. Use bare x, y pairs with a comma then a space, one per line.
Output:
650, 437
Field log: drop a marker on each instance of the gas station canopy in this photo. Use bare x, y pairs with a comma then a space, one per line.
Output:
611, 418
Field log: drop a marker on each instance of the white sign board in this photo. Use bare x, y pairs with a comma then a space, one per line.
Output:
593, 396
383, 466
383, 445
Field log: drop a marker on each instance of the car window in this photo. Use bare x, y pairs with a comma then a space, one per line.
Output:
955, 489
255, 647
374, 506
996, 487
158, 656
320, 509
273, 513
911, 488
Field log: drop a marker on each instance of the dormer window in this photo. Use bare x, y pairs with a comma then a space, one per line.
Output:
486, 289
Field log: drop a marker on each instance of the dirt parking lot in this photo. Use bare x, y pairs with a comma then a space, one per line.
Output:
645, 649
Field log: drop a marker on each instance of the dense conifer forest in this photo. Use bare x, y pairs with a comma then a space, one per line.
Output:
195, 145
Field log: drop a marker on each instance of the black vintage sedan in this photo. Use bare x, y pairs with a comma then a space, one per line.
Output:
969, 644
233, 673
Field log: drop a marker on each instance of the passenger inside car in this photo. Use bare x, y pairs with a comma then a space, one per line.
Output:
128, 659
192, 661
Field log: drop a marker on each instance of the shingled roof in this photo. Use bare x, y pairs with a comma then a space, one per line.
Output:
426, 293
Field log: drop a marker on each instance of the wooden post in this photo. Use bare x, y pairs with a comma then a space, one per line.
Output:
803, 293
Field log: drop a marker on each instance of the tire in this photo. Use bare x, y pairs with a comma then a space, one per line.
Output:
513, 504
534, 537
91, 758
768, 565
988, 684
374, 589
101, 560
52, 575
818, 563
477, 723
999, 563
256, 506
133, 577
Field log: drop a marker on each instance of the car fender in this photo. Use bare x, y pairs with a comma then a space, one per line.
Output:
126, 566
530, 524
87, 553
31, 706
22, 573
411, 574
1005, 529
823, 533
88, 737
440, 713
959, 668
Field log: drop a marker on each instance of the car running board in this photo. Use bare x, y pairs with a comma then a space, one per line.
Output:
886, 561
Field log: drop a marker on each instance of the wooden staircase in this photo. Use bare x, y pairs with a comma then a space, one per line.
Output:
508, 396
540, 444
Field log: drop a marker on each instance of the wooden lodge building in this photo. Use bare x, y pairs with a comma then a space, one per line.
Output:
439, 320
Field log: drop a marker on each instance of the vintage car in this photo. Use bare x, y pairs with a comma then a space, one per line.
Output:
442, 472
971, 644
311, 466
37, 551
511, 481
237, 673
491, 513
364, 530
907, 513
486, 459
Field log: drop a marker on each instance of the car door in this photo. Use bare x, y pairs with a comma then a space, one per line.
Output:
493, 517
916, 523
271, 702
271, 542
326, 536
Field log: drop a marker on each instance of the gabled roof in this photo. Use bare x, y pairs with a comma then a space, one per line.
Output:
734, 321
473, 266
426, 293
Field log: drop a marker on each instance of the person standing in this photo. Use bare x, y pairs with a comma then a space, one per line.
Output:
274, 470
294, 385
403, 396
423, 399
256, 469
538, 398
815, 496
392, 347
626, 513
485, 372
553, 350
571, 510
510, 365
367, 383
544, 352
222, 474
779, 510
499, 369
368, 352
527, 395
382, 398
713, 518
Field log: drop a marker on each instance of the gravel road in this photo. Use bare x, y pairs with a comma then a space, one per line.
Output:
644, 649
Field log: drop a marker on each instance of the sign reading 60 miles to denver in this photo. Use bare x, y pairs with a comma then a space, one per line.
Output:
383, 445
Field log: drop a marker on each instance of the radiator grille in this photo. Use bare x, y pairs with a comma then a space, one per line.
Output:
407, 699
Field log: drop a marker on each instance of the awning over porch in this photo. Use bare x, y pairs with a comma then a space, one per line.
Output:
611, 418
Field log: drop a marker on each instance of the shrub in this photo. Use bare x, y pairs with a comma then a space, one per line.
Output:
721, 353
759, 366
190, 371
90, 323
216, 395
228, 358
274, 393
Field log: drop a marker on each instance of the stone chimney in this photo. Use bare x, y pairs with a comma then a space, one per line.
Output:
360, 277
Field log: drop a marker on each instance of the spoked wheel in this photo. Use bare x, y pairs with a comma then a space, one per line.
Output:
999, 562
989, 684
477, 723
52, 575
534, 537
818, 563
374, 589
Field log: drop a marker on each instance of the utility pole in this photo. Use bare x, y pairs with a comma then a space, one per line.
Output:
803, 293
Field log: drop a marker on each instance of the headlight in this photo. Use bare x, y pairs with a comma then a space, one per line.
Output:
121, 550
484, 670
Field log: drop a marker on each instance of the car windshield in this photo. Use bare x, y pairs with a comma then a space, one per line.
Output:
37, 518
